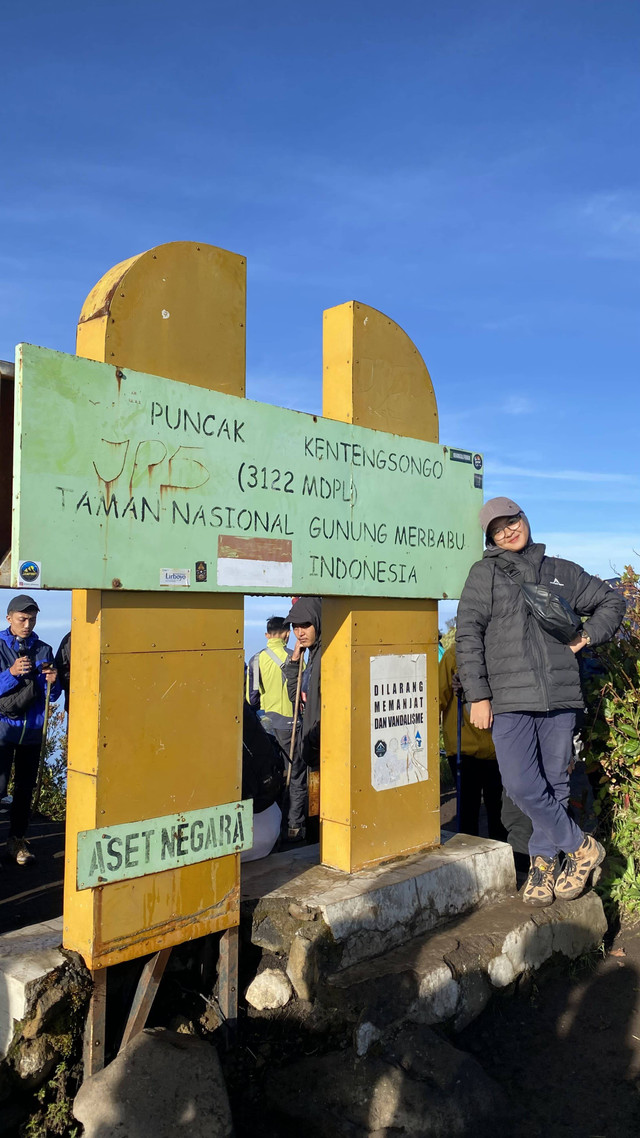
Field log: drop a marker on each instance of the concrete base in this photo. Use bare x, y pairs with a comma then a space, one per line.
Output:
26, 956
450, 975
425, 939
361, 915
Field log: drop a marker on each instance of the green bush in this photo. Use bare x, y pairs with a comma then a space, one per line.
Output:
612, 751
53, 794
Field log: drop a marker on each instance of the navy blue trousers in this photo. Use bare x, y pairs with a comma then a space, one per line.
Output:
534, 750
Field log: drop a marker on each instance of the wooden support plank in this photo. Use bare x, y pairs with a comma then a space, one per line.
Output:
94, 1032
228, 976
313, 788
148, 983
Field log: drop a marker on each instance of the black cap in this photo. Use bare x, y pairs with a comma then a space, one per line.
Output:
21, 603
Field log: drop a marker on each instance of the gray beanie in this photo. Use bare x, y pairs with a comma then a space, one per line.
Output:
498, 508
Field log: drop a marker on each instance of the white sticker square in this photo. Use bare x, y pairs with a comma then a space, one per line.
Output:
175, 577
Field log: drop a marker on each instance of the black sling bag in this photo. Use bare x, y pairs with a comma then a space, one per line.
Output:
552, 612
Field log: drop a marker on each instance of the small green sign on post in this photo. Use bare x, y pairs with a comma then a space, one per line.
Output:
125, 480
133, 849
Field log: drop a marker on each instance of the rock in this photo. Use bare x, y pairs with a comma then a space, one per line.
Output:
302, 912
365, 1035
302, 968
182, 1024
475, 993
268, 933
38, 983
420, 1086
438, 996
211, 1018
270, 989
161, 1084
34, 1061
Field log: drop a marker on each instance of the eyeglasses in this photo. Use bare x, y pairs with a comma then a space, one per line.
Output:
511, 523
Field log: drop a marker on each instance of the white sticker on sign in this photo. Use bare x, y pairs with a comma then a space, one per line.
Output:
175, 576
398, 719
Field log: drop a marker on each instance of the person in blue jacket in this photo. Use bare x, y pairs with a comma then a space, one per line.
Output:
26, 666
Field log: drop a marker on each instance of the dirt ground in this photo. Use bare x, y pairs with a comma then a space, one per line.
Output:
567, 1049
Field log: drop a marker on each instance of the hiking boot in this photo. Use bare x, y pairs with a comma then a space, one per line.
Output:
18, 849
578, 868
296, 836
538, 888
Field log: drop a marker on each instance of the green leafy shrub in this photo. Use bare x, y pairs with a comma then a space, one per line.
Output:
612, 750
53, 794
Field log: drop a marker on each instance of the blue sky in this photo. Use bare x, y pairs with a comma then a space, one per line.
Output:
470, 169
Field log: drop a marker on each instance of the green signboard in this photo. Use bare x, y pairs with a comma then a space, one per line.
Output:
133, 849
126, 480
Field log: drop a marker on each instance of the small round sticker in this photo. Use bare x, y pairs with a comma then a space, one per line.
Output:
29, 572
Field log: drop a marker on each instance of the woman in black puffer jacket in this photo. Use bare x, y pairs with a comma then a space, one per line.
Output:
525, 685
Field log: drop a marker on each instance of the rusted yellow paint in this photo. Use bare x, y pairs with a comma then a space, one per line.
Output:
373, 376
156, 679
178, 310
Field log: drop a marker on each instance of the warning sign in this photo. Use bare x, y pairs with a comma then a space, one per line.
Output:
398, 702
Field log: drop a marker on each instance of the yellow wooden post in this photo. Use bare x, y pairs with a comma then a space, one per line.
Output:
156, 679
373, 377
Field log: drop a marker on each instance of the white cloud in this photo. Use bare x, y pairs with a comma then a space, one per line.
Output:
518, 405
602, 553
614, 220
494, 468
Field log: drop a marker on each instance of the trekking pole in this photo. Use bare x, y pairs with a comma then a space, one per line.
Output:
295, 719
459, 763
43, 745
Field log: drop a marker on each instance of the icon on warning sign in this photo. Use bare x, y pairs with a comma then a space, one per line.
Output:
380, 748
418, 739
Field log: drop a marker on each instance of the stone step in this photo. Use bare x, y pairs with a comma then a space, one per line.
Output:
450, 974
302, 908
26, 956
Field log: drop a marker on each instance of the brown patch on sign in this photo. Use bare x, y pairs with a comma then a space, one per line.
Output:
255, 548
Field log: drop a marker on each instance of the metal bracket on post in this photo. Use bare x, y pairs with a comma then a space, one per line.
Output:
93, 1046
148, 984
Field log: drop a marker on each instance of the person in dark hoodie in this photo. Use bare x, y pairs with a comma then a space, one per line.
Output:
525, 684
26, 667
305, 620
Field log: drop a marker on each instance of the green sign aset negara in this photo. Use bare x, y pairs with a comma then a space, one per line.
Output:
127, 480
133, 849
